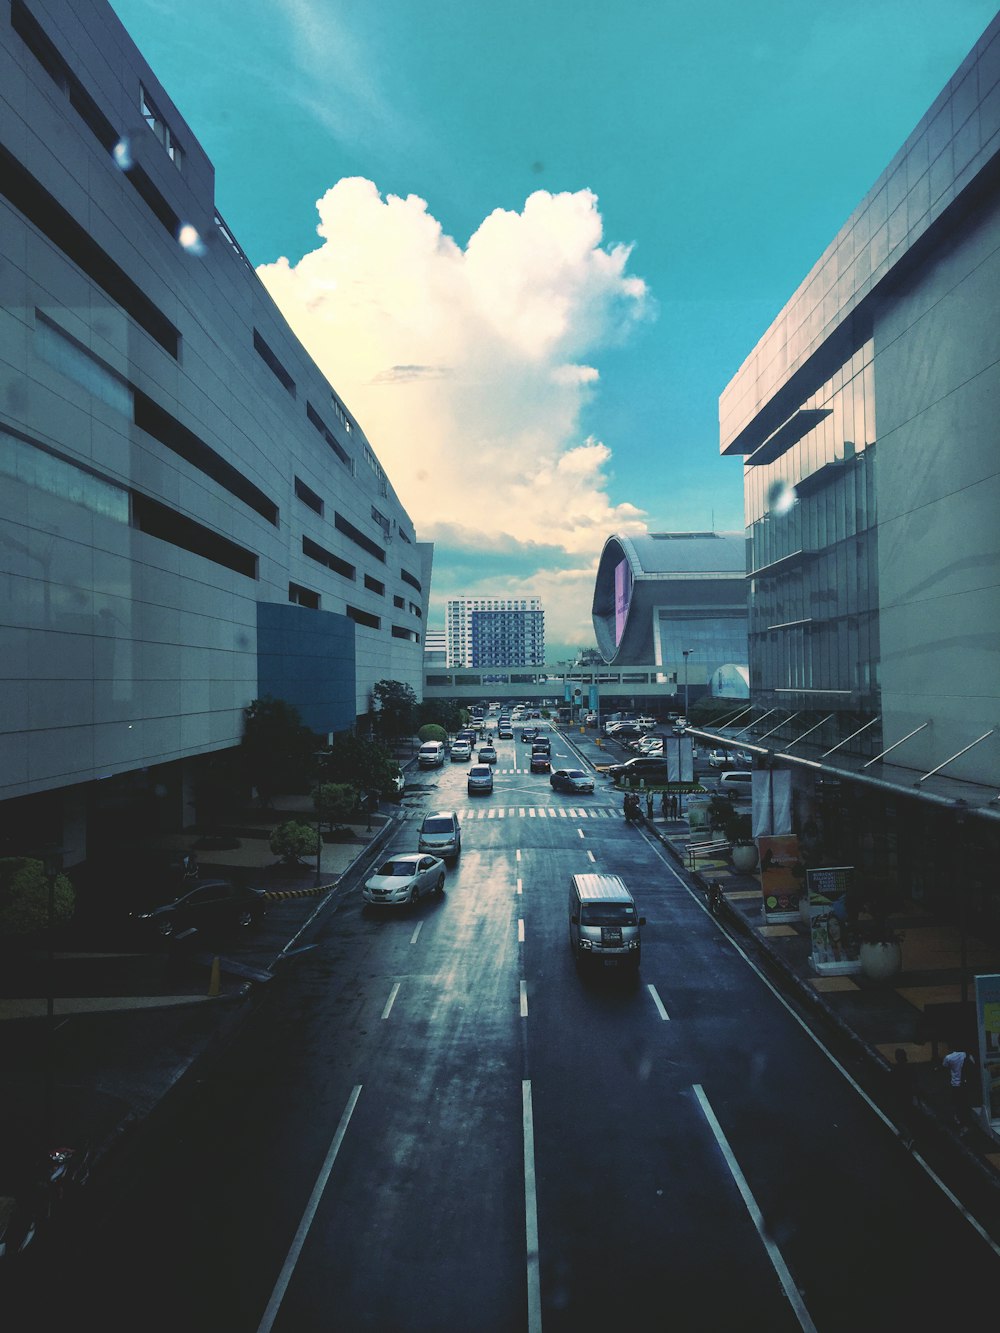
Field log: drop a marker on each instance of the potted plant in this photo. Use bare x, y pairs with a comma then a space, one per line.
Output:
881, 953
738, 831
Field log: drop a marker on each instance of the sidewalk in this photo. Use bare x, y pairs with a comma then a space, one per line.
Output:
918, 1010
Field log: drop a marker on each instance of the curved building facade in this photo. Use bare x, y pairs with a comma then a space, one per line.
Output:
674, 598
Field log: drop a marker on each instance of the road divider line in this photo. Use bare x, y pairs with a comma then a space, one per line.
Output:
579, 833
416, 932
391, 1000
524, 999
299, 1240
773, 1253
531, 1212
520, 930
591, 856
518, 888
658, 1002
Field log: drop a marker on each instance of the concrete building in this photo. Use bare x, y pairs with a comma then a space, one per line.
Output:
192, 518
866, 418
677, 599
495, 631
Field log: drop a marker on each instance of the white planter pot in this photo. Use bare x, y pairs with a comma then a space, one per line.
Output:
744, 858
880, 961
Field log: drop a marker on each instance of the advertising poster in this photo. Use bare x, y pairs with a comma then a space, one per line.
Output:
835, 941
780, 886
988, 1023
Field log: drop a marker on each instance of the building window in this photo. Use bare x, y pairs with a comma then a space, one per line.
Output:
331, 440
160, 521
373, 585
324, 557
272, 363
363, 617
416, 610
408, 578
303, 596
349, 530
381, 520
308, 496
400, 632
160, 128
399, 602
77, 363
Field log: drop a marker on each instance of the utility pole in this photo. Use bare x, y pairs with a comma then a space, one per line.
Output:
685, 653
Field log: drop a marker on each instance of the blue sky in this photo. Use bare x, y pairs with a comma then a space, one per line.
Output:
552, 230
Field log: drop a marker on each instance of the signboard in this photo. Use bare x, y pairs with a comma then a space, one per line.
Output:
988, 1025
623, 595
835, 940
780, 888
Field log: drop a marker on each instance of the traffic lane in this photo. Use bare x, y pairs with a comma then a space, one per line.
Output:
785, 1107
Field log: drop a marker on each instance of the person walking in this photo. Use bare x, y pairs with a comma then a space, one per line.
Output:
958, 1064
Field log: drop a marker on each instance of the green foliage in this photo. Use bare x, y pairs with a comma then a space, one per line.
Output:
291, 841
277, 749
365, 766
394, 705
432, 732
738, 828
335, 802
24, 897
445, 712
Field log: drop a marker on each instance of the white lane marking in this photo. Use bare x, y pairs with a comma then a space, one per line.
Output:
520, 930
501, 812
491, 813
658, 1002
562, 812
817, 1041
391, 1000
590, 855
552, 811
579, 832
520, 811
416, 932
524, 999
292, 1258
531, 1212
518, 890
517, 854
531, 813
773, 1253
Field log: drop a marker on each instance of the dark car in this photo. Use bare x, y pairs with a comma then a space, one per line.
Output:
650, 770
628, 733
540, 762
528, 733
210, 905
541, 743
504, 732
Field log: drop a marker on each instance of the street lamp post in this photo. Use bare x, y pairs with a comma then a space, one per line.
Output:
685, 653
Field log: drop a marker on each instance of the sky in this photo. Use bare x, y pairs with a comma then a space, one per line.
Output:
529, 242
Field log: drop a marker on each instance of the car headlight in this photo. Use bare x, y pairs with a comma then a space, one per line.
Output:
586, 944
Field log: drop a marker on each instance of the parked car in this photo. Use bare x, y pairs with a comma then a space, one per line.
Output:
505, 732
628, 731
441, 835
539, 762
720, 758
647, 768
487, 754
460, 750
737, 784
209, 905
480, 779
571, 779
404, 879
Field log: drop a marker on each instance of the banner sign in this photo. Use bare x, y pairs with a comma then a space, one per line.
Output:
592, 698
988, 1024
835, 940
780, 888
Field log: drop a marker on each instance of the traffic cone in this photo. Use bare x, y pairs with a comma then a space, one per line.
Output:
214, 983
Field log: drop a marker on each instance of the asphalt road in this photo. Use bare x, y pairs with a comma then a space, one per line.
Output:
432, 1122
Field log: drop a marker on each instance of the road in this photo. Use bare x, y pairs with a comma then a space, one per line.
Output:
432, 1122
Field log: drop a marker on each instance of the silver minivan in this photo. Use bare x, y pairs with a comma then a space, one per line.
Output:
441, 835
431, 754
603, 923
735, 784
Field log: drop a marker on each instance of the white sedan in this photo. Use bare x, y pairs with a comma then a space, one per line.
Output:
404, 879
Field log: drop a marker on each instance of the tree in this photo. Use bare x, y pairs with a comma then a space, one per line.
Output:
335, 802
291, 841
445, 712
277, 748
432, 732
395, 707
365, 765
24, 897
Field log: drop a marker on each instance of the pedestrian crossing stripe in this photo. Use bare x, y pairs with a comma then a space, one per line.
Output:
541, 812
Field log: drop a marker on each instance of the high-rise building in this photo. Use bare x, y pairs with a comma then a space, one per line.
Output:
866, 419
191, 518
495, 631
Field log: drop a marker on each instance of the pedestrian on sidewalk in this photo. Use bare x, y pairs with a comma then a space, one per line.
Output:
904, 1098
958, 1065
649, 806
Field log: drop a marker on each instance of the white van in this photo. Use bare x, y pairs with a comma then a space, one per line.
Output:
603, 923
431, 754
735, 784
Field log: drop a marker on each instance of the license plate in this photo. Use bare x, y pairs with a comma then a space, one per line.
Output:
610, 962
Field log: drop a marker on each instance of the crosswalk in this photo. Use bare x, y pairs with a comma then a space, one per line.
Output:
539, 812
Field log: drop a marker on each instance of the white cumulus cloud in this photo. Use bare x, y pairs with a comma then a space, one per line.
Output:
468, 368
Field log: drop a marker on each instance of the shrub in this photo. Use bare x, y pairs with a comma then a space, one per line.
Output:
24, 897
291, 841
432, 732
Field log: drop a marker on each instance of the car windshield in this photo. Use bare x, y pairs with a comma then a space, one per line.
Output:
607, 914
396, 869
575, 773
438, 824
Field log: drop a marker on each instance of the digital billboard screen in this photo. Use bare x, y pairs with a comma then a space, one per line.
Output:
623, 594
